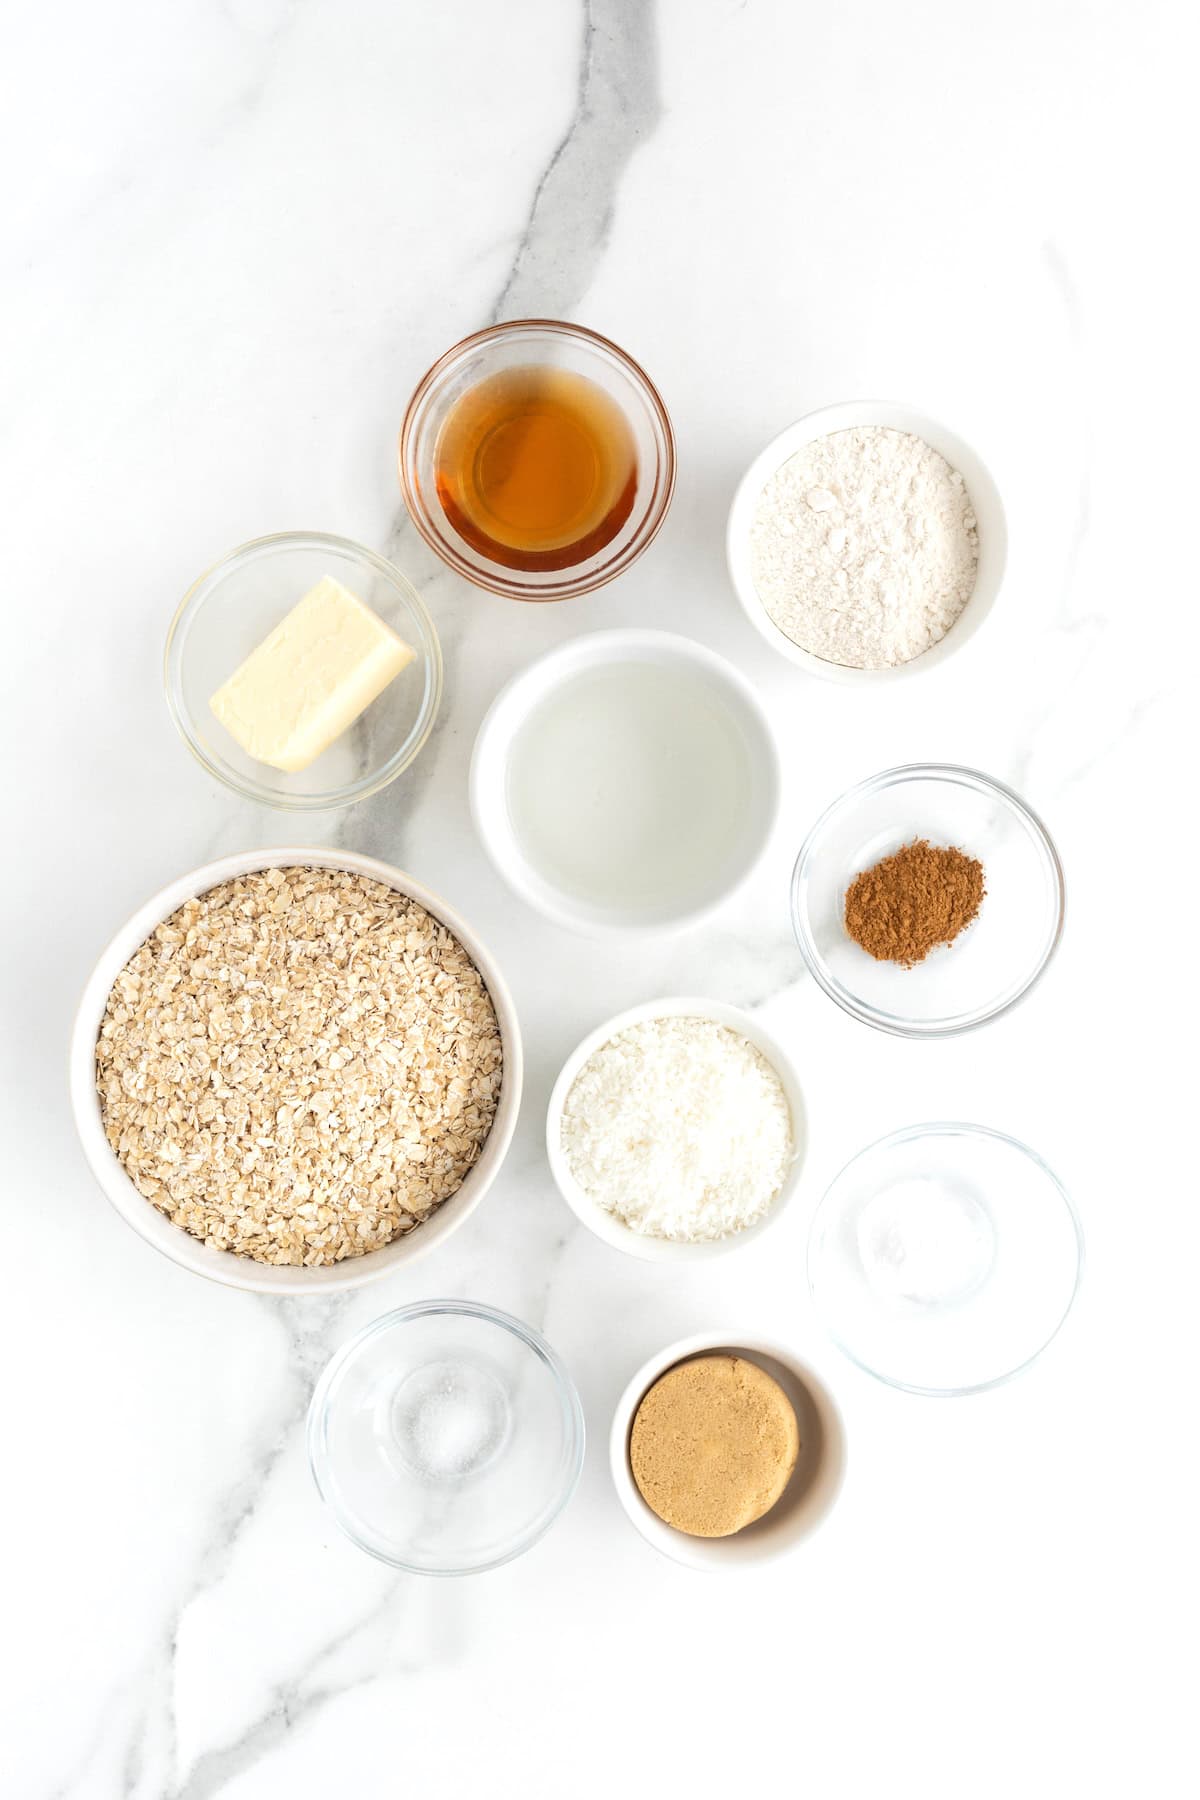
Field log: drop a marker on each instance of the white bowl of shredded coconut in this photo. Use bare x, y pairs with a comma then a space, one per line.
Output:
867, 541
676, 1130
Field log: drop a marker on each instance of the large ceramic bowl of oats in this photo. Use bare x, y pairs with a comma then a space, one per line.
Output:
292, 1070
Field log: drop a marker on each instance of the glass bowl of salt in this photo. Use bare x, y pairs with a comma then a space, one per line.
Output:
446, 1438
944, 1258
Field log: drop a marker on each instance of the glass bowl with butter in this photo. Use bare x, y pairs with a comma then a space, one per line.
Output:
303, 671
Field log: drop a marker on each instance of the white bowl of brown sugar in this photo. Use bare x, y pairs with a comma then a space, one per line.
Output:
292, 1070
726, 1450
866, 542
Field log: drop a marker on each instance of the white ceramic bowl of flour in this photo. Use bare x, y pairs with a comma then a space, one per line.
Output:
627, 781
852, 415
606, 1225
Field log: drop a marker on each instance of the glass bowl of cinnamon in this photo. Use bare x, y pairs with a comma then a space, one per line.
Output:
927, 900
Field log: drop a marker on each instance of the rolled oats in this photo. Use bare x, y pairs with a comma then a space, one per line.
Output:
299, 1066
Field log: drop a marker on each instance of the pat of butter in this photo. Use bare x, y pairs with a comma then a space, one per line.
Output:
311, 678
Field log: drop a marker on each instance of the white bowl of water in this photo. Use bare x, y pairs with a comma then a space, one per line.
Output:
628, 781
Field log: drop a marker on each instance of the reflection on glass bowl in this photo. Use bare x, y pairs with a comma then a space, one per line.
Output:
944, 1258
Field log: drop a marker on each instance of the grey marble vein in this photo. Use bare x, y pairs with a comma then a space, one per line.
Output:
378, 826
310, 1328
617, 106
292, 1703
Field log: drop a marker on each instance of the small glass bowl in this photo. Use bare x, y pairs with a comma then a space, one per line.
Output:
994, 962
230, 610
547, 343
446, 1438
944, 1258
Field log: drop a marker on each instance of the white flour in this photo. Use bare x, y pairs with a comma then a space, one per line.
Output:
864, 547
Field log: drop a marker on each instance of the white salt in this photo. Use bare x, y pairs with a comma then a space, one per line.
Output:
450, 1420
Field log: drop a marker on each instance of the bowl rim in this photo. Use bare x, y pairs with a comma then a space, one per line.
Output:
844, 415
511, 586
531, 683
948, 1128
730, 1552
226, 1267
961, 775
316, 1421
429, 651
615, 1232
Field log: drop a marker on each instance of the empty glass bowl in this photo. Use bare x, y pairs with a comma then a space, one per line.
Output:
230, 610
944, 1258
446, 1437
993, 962
542, 343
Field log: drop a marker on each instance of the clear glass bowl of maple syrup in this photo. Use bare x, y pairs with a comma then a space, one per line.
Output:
537, 459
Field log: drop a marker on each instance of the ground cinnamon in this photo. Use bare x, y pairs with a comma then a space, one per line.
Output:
918, 897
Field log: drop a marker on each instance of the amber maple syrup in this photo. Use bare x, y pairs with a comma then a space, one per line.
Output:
536, 468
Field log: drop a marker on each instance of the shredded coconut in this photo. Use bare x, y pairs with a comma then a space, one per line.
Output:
680, 1128
864, 547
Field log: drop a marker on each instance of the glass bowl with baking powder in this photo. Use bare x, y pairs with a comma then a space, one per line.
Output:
994, 962
847, 535
446, 1438
944, 1258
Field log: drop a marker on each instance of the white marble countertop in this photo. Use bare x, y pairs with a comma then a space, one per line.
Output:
237, 232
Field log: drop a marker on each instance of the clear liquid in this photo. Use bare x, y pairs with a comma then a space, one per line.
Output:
628, 788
